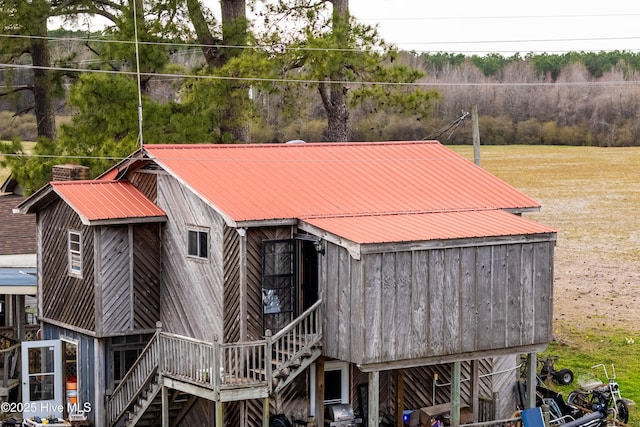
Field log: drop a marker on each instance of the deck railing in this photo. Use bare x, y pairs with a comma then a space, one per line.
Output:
189, 360
215, 366
10, 363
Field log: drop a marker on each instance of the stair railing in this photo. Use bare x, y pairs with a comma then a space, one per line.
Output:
297, 338
9, 361
135, 381
216, 366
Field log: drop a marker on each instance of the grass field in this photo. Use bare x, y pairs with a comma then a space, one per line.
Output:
592, 196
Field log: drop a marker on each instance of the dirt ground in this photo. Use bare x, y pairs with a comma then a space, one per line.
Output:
592, 291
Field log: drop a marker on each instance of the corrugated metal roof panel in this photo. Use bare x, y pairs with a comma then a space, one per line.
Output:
98, 201
263, 182
429, 226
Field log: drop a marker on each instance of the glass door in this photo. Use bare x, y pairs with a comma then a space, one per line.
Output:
42, 379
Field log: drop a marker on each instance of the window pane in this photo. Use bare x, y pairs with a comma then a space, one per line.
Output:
333, 385
192, 244
75, 252
203, 244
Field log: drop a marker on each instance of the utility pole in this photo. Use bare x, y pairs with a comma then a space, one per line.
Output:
476, 134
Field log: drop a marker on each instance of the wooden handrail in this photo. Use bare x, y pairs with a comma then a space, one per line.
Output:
8, 355
215, 366
135, 381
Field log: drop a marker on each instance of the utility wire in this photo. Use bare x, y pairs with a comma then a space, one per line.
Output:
283, 47
344, 82
450, 127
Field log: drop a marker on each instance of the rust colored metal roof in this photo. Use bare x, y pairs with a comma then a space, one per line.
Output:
108, 202
431, 226
313, 180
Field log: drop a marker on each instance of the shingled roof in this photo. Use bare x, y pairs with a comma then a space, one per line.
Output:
17, 232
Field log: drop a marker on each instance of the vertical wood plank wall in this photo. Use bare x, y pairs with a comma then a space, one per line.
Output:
191, 289
65, 299
461, 299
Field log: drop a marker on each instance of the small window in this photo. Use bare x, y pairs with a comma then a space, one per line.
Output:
198, 243
75, 253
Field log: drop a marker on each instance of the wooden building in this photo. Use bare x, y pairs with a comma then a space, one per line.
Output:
222, 284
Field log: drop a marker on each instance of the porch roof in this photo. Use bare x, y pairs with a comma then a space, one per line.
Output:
18, 281
247, 183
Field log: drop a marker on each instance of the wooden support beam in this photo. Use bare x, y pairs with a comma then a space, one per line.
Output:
265, 412
374, 399
219, 414
455, 395
165, 406
319, 403
475, 389
532, 364
399, 396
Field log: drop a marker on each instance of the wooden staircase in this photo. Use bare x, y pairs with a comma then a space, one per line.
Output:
224, 372
148, 409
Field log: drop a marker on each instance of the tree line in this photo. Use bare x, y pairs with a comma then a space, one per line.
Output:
292, 69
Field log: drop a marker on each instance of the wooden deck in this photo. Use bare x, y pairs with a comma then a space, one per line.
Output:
218, 372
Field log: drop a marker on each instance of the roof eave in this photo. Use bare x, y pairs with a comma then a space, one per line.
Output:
37, 200
124, 221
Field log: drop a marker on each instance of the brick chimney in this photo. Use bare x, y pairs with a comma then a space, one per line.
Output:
70, 172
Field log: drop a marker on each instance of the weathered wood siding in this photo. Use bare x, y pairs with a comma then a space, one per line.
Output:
127, 278
146, 275
64, 298
113, 280
191, 289
432, 303
232, 290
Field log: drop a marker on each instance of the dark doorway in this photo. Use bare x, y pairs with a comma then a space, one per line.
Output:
289, 281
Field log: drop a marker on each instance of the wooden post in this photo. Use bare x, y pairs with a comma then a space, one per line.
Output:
265, 412
399, 396
476, 134
455, 395
19, 313
165, 406
320, 392
374, 399
475, 389
219, 414
532, 364
242, 232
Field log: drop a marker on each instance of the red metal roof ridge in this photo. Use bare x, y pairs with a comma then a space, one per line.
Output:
285, 145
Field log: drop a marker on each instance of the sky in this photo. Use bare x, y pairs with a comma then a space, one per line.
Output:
501, 26
504, 26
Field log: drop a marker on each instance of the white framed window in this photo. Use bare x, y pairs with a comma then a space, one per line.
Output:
336, 384
198, 243
74, 240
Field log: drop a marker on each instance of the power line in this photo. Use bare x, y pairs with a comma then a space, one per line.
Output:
344, 82
508, 17
283, 47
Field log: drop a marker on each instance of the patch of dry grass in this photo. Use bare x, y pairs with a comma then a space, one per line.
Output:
590, 194
5, 172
